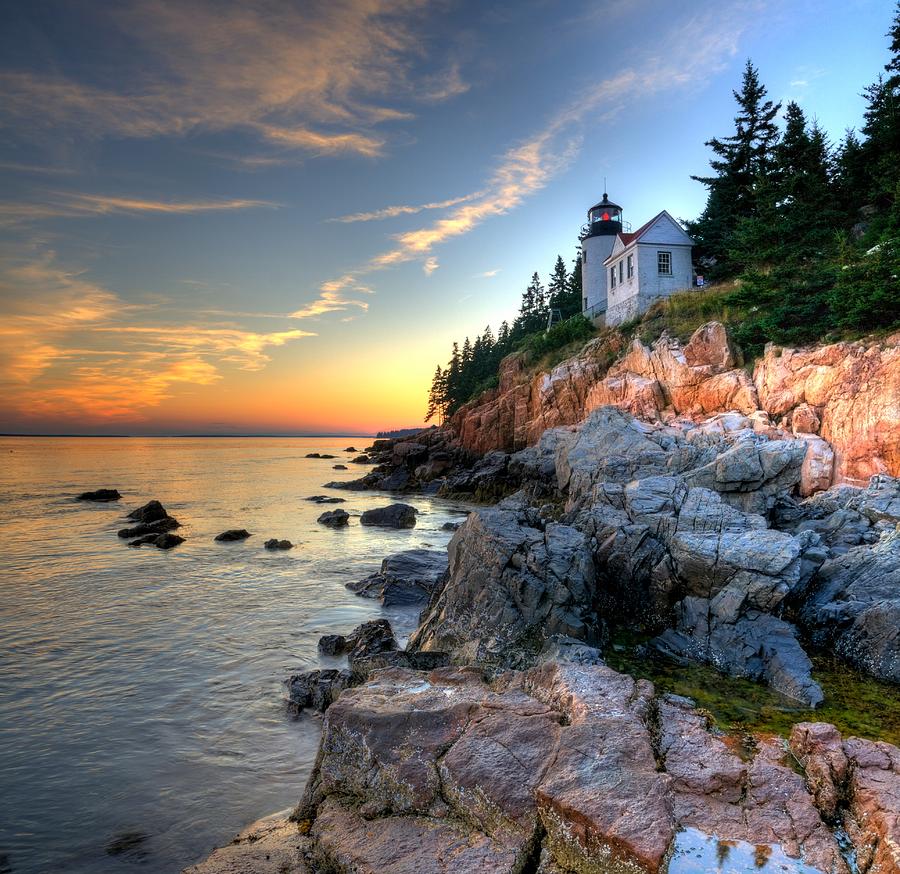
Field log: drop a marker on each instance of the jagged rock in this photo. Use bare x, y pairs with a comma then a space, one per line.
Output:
167, 523
150, 512
326, 499
100, 495
509, 587
275, 544
317, 690
367, 639
853, 607
334, 518
361, 459
848, 393
233, 534
392, 516
161, 541
406, 577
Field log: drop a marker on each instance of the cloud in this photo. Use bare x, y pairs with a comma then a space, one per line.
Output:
72, 349
71, 205
315, 76
487, 274
695, 51
394, 211
430, 265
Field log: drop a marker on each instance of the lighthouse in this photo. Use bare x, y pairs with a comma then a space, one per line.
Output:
598, 236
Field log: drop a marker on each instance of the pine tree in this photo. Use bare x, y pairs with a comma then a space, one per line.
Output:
741, 161
558, 283
437, 401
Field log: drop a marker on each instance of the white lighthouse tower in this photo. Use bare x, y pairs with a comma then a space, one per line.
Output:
598, 236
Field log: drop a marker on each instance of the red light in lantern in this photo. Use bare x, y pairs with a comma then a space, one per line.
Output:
606, 216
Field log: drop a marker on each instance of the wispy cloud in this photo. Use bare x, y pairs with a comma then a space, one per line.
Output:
388, 212
71, 348
315, 76
71, 205
430, 265
695, 51
487, 274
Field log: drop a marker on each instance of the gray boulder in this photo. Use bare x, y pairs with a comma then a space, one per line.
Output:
334, 518
405, 578
853, 607
392, 516
510, 587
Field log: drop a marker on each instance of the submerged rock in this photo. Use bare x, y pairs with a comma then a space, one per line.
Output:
161, 541
392, 516
275, 544
326, 499
339, 467
167, 523
100, 495
233, 534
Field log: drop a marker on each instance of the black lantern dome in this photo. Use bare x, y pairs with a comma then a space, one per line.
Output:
604, 219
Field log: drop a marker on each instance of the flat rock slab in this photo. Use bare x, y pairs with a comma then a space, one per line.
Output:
273, 845
409, 845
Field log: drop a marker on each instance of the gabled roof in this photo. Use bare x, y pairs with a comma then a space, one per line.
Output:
628, 239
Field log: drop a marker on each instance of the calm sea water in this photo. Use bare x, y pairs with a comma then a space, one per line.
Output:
142, 715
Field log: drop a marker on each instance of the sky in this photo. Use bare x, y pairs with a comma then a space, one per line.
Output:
275, 217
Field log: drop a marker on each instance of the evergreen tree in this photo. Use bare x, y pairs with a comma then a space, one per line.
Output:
788, 247
503, 337
558, 283
741, 160
437, 401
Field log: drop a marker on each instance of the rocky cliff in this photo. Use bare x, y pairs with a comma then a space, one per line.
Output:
847, 394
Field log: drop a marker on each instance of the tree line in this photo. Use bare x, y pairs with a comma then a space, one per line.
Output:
810, 229
473, 366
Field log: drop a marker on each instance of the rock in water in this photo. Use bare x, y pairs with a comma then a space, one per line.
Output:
392, 516
150, 512
275, 544
326, 499
334, 518
405, 577
161, 541
100, 495
167, 523
339, 467
233, 534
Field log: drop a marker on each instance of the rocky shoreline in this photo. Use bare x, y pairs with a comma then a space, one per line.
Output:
500, 741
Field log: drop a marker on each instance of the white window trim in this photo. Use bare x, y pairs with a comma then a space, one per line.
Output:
660, 272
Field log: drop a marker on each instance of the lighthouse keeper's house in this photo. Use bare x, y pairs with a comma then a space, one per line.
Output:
624, 272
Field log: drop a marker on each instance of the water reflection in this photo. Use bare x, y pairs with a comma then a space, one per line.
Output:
699, 853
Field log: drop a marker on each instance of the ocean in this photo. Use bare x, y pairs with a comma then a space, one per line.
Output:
142, 706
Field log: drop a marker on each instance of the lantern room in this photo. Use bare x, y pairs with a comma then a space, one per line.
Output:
604, 219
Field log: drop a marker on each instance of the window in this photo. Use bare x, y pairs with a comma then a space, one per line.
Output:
631, 266
584, 256
584, 303
621, 272
612, 277
664, 263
